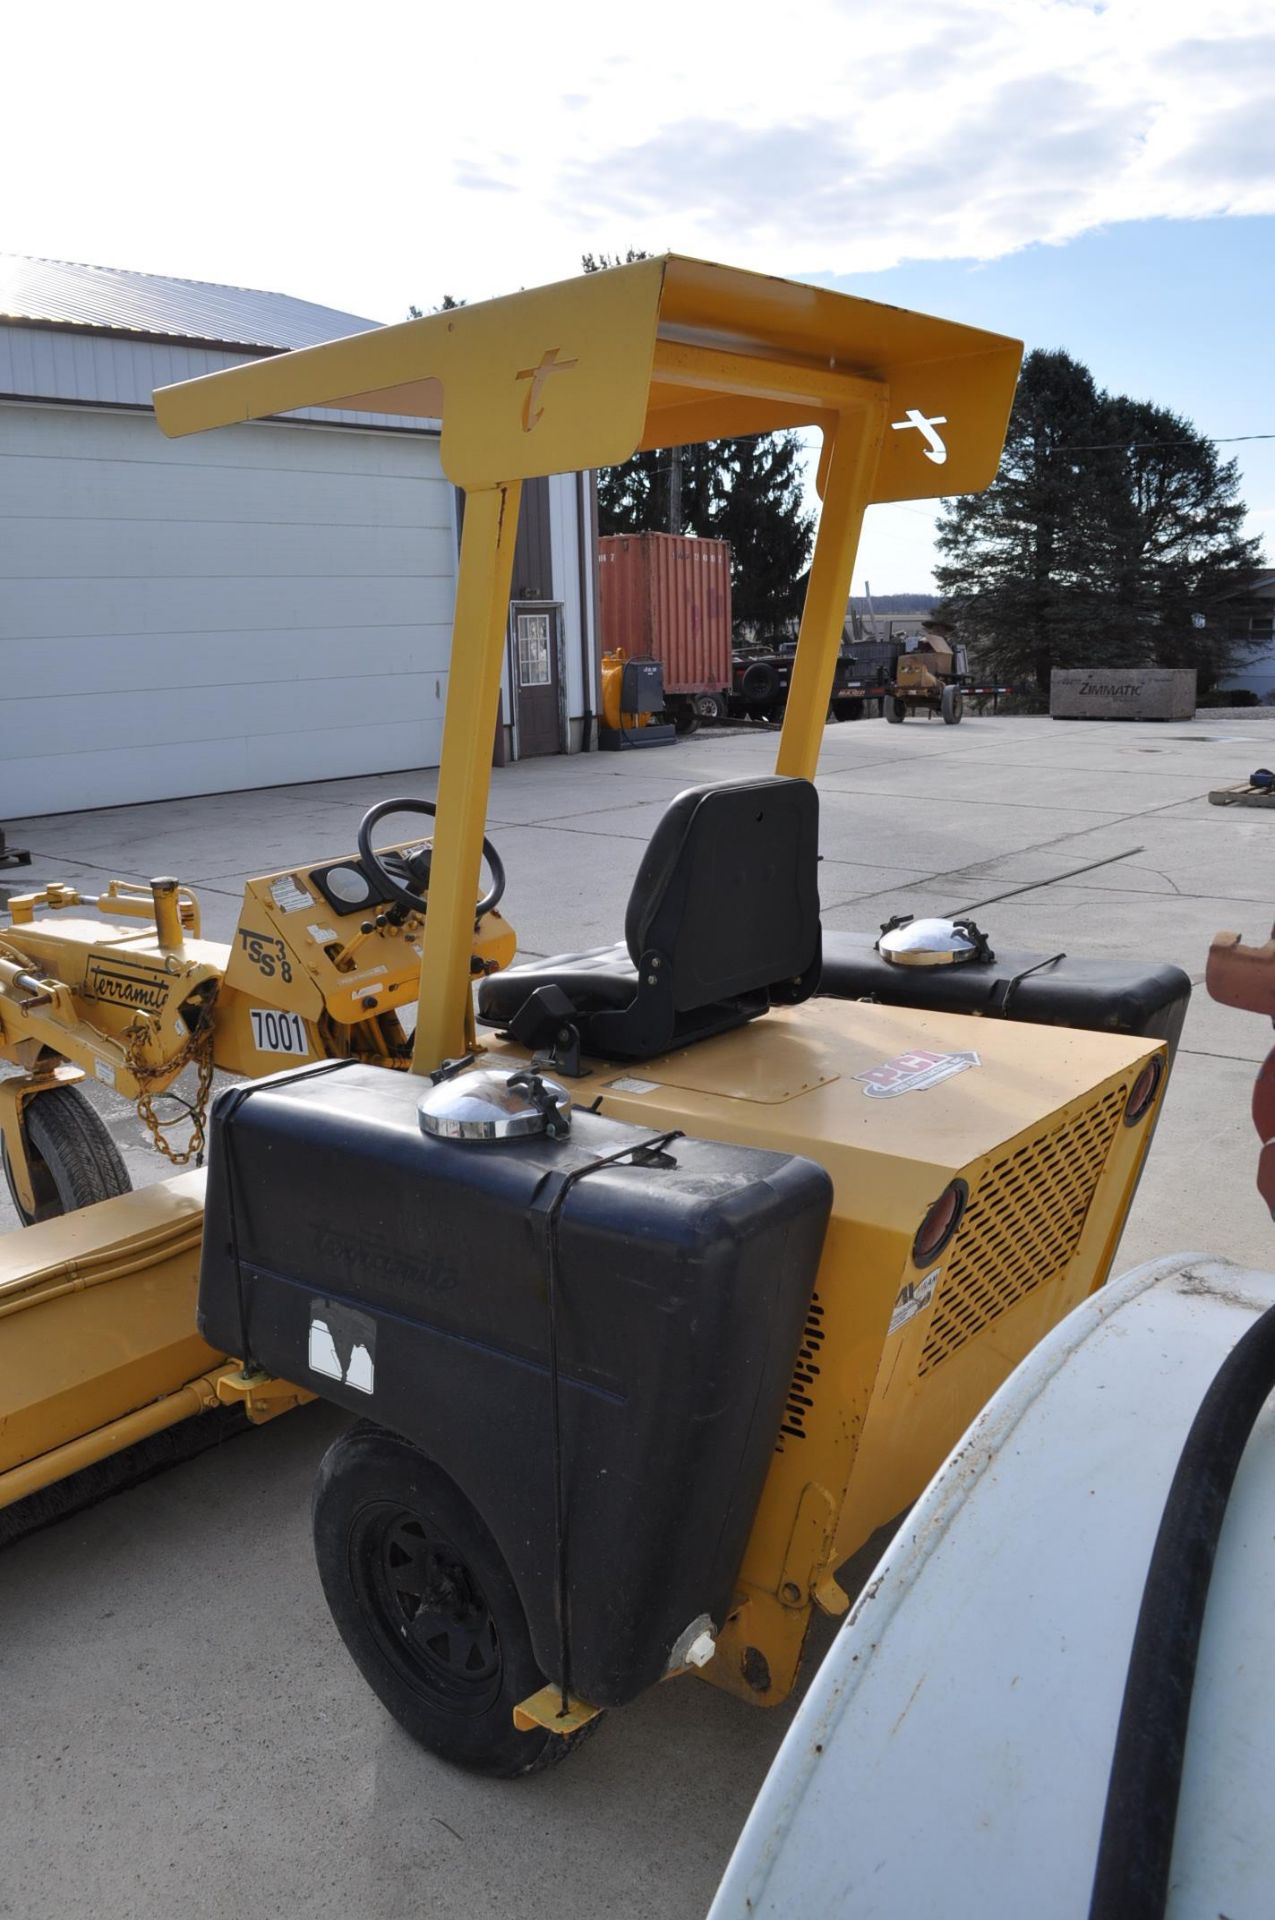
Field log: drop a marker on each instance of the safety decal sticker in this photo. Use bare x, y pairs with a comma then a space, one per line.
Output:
915, 1295
912, 1072
288, 894
342, 1344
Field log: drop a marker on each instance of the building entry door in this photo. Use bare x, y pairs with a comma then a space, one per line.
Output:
537, 681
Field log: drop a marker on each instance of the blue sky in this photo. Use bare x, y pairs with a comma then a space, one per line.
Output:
1181, 312
1093, 174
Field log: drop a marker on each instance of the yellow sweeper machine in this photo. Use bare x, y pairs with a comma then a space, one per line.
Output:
671, 1270
121, 988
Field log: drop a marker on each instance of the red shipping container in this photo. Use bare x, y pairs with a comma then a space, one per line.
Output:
666, 597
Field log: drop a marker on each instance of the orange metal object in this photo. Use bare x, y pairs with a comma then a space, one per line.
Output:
666, 597
1240, 976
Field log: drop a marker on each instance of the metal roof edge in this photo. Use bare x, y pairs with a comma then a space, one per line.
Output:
256, 349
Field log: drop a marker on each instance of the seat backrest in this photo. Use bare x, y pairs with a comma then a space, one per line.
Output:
727, 893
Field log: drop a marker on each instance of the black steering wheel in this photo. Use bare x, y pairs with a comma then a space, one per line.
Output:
406, 874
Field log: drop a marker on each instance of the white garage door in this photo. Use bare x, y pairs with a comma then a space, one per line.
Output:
240, 609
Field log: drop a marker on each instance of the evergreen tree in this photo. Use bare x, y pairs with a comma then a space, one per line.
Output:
1110, 526
448, 304
1175, 540
761, 513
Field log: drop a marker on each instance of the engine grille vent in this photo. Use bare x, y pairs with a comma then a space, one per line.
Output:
1021, 1227
805, 1373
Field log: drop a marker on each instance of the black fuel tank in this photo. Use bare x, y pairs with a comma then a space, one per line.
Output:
404, 1278
1098, 994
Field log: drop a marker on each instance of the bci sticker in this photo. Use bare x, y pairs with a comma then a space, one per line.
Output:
912, 1072
915, 1295
275, 1032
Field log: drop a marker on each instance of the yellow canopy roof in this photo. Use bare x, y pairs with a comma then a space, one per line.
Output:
664, 352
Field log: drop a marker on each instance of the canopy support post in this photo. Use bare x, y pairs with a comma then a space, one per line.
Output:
851, 464
444, 1020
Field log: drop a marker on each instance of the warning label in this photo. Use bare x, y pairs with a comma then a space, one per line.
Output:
914, 1295
913, 1072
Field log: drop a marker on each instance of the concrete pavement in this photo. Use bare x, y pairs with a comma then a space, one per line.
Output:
182, 1730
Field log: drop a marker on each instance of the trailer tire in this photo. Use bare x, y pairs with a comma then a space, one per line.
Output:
385, 1517
894, 710
712, 708
761, 687
848, 707
685, 717
953, 706
74, 1161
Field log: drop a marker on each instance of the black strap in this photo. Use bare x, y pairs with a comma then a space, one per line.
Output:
225, 1107
1002, 1006
549, 1200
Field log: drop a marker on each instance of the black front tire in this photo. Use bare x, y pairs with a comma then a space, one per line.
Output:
74, 1161
895, 710
426, 1605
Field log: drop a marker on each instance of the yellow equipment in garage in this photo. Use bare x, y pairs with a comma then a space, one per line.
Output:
646, 1351
321, 960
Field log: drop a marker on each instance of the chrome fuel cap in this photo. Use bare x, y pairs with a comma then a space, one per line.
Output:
495, 1103
932, 943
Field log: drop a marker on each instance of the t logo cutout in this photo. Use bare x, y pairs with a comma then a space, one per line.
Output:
532, 407
934, 448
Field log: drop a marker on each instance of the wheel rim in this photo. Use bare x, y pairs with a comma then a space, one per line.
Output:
427, 1609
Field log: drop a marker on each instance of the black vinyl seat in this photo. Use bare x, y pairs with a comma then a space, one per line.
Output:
722, 923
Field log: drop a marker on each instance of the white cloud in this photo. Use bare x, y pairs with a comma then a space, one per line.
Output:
996, 123
368, 159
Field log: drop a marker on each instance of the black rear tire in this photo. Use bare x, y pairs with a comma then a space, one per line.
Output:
953, 706
895, 710
426, 1605
74, 1161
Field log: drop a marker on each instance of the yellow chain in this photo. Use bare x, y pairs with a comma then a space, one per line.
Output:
197, 1048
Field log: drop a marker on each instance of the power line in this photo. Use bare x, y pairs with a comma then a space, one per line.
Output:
1143, 446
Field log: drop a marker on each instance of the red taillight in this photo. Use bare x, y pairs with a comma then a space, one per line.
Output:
940, 1223
1143, 1092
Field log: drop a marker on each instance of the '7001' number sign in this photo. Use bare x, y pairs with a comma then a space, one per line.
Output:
276, 1032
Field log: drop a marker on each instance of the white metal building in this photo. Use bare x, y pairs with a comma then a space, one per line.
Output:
1252, 621
267, 604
